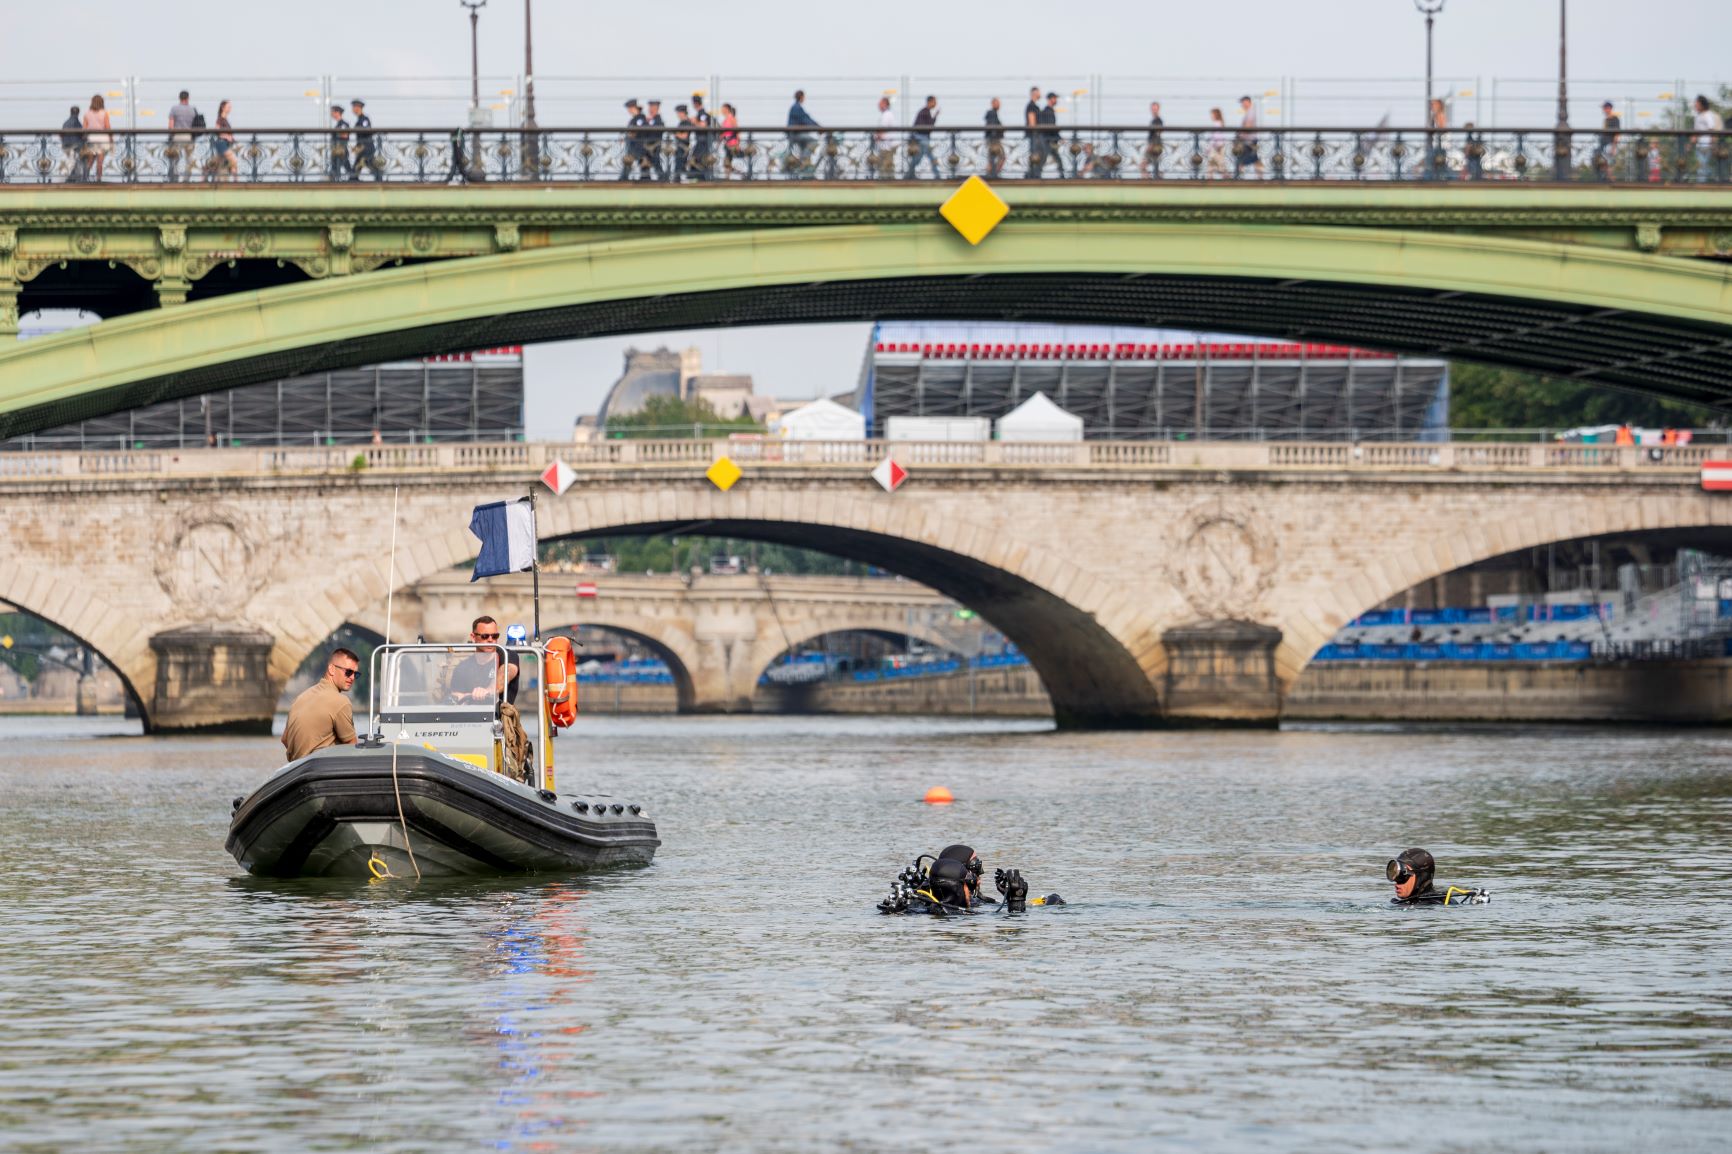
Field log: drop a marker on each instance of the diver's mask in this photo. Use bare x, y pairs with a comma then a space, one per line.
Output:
1397, 870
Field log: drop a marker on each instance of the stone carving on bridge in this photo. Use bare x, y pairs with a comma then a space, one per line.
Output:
1224, 560
208, 564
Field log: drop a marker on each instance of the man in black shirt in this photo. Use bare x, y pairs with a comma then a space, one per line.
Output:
702, 144
72, 143
1604, 154
486, 676
1152, 149
1050, 146
490, 678
1031, 121
920, 143
994, 142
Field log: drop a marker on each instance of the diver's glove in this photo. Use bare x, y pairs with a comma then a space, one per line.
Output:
1010, 883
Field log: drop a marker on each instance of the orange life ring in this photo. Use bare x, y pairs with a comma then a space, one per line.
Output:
559, 681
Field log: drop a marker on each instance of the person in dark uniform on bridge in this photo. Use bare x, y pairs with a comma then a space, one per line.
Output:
366, 145
340, 168
636, 156
653, 139
1412, 872
703, 142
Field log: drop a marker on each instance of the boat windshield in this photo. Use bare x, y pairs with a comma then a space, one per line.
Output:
429, 679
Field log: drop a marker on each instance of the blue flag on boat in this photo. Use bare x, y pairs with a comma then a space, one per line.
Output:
507, 532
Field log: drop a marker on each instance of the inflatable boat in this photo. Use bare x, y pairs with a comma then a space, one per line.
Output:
433, 789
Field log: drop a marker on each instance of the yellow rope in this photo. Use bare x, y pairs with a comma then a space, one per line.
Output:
402, 824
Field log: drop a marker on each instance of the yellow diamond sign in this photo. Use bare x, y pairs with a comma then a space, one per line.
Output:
974, 209
723, 474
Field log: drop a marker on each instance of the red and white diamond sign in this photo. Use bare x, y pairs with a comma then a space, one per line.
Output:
558, 477
1717, 475
889, 474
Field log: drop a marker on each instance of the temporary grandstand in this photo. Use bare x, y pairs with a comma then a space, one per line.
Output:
475, 396
1138, 384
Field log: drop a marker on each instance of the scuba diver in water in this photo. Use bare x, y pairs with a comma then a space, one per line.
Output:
952, 885
1412, 874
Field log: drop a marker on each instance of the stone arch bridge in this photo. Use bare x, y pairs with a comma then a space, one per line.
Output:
1148, 583
717, 633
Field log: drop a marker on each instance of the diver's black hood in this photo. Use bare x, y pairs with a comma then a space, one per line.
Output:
1423, 866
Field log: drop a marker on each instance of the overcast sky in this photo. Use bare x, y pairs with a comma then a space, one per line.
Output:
1324, 61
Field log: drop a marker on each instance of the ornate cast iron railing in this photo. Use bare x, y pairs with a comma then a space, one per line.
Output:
672, 154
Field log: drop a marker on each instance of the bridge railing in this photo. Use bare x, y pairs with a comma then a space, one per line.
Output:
670, 154
526, 459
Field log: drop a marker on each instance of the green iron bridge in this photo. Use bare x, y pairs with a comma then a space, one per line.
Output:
215, 285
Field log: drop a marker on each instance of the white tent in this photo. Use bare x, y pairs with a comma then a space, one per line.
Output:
1038, 419
822, 420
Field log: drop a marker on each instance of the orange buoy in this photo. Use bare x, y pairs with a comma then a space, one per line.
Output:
938, 795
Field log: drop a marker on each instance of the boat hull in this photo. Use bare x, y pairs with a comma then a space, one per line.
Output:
335, 814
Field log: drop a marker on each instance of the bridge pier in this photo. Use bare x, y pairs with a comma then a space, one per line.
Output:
1222, 673
213, 679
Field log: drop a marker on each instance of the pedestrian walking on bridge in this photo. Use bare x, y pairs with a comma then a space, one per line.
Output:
183, 119
98, 137
920, 143
994, 140
339, 167
366, 144
801, 144
72, 144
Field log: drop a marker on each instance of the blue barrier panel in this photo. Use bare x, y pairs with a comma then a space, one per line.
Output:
1463, 651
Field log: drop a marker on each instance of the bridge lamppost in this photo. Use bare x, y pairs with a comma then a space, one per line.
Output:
474, 7
472, 165
531, 144
1430, 8
1561, 143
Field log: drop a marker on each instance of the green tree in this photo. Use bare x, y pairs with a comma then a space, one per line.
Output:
673, 417
1484, 397
668, 554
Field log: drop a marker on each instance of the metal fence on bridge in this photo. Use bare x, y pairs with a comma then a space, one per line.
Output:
1125, 153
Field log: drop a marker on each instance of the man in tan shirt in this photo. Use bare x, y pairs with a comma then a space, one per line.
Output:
321, 715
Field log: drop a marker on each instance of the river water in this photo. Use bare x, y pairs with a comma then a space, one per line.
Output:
1227, 976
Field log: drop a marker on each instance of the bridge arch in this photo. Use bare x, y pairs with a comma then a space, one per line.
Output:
665, 638
1099, 655
1464, 541
1656, 323
92, 622
771, 649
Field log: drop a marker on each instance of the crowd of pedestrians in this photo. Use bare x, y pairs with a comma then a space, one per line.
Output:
87, 141
699, 145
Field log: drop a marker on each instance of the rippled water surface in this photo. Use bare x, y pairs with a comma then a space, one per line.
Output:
1227, 977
